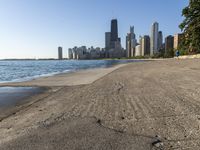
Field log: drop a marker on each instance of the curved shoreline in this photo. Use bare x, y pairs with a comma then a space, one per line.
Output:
65, 67
79, 77
132, 106
47, 83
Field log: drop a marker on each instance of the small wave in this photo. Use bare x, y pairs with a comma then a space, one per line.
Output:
36, 76
29, 70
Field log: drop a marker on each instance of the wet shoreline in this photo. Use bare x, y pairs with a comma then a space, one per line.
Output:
12, 98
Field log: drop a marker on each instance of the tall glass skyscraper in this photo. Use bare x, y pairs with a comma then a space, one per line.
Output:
114, 33
114, 30
154, 38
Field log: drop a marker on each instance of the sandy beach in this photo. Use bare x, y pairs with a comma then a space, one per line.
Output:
144, 105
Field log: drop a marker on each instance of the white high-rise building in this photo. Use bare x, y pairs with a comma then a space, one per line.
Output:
138, 50
131, 42
154, 39
145, 45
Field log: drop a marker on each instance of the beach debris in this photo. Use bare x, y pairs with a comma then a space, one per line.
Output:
122, 118
99, 121
157, 143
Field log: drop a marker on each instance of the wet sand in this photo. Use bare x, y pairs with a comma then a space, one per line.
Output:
13, 98
144, 105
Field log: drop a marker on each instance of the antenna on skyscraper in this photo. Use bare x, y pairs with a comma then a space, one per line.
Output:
113, 15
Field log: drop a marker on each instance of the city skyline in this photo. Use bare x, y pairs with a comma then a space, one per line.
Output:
147, 46
29, 31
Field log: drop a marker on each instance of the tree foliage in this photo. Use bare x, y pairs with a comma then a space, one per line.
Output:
191, 26
169, 53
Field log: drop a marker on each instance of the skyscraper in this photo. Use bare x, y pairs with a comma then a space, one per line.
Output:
113, 42
114, 30
70, 53
60, 54
169, 43
114, 33
160, 41
131, 42
140, 43
154, 38
138, 50
145, 45
131, 29
107, 40
111, 38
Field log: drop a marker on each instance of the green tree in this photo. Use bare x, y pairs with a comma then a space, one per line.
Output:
191, 26
169, 53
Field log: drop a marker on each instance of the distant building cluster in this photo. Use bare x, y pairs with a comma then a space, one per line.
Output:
131, 43
86, 53
113, 48
151, 45
147, 45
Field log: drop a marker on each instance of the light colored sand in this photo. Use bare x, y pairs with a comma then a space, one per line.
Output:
189, 56
133, 103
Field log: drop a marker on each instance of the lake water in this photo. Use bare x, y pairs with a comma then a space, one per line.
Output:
26, 70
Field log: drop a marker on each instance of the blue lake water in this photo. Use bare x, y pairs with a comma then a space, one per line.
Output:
26, 69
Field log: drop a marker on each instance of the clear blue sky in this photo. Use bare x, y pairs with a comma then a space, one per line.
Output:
35, 28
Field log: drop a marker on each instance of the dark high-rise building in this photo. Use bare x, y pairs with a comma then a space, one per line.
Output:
114, 30
113, 42
114, 33
145, 45
160, 41
169, 43
60, 54
107, 40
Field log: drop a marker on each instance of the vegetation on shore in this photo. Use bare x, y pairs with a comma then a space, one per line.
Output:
191, 28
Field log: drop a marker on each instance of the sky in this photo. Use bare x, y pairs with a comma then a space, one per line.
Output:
35, 28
